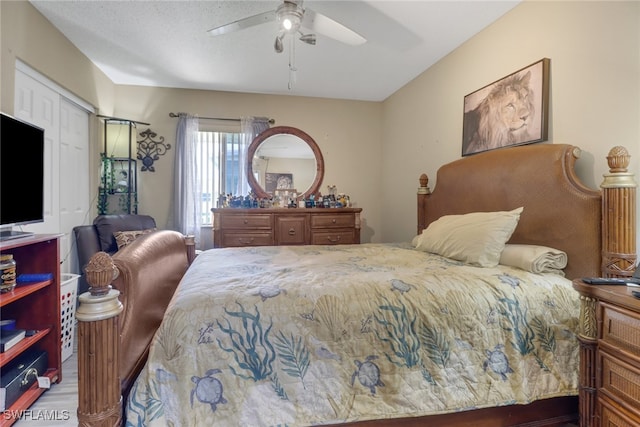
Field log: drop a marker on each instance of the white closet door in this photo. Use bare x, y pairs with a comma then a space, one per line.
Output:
66, 175
74, 208
40, 105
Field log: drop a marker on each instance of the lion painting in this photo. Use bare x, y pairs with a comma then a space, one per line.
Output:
502, 118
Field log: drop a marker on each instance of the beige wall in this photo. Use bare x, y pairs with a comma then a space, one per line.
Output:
594, 49
28, 36
376, 151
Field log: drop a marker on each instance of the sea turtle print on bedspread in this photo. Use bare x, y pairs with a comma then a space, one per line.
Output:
308, 335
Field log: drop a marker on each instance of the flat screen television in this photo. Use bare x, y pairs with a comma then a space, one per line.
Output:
21, 175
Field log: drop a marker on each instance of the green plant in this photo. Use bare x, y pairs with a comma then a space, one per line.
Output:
107, 183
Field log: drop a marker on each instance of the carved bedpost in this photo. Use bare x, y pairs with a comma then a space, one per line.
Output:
618, 260
190, 243
588, 336
100, 402
618, 216
423, 193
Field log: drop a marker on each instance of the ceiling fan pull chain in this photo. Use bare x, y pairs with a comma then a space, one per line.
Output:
292, 63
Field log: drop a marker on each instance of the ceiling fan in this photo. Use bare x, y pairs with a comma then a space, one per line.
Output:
292, 18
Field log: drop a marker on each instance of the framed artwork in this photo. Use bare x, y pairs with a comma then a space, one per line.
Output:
511, 111
277, 181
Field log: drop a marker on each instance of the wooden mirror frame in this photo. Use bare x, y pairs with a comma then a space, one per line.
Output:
278, 130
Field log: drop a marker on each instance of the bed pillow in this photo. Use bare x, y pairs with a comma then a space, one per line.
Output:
534, 258
123, 238
476, 238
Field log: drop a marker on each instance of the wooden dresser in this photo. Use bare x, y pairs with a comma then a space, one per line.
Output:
285, 226
610, 356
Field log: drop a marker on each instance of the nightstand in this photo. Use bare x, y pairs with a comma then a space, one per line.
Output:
609, 337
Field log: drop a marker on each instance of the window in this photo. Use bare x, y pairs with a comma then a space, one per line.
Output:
222, 168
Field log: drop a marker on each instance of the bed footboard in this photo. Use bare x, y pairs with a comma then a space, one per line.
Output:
122, 310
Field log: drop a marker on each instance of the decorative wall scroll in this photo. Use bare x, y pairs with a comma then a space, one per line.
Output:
150, 150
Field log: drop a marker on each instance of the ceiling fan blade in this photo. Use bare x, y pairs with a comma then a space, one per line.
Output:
243, 23
326, 26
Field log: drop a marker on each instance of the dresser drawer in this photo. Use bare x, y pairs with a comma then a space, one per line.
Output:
234, 239
620, 328
619, 380
262, 221
612, 416
333, 237
291, 230
333, 221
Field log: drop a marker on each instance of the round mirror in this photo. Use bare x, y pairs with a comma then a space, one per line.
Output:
284, 159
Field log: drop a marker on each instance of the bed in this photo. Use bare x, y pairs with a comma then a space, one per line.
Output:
370, 334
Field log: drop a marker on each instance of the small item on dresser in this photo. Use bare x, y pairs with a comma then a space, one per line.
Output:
19, 375
630, 281
635, 294
10, 338
8, 267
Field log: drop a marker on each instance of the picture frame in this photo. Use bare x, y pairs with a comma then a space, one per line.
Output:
513, 110
278, 181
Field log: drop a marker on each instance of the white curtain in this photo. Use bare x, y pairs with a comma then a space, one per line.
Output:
250, 127
187, 184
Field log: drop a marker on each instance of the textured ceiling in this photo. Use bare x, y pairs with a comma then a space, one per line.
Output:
165, 43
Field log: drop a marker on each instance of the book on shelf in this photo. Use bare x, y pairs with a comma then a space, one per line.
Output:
10, 338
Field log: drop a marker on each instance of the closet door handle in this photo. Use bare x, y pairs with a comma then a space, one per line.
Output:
292, 232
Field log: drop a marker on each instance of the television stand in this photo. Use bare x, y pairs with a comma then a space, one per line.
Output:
13, 234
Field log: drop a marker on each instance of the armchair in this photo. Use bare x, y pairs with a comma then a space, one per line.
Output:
99, 236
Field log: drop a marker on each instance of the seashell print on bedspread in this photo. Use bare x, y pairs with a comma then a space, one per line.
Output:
307, 335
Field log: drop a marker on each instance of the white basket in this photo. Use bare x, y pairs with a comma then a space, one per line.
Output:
68, 294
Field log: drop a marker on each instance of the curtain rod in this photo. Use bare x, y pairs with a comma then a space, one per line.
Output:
271, 121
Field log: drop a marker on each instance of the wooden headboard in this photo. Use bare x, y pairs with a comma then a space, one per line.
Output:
559, 210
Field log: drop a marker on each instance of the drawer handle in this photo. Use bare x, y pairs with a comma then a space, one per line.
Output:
25, 379
245, 242
336, 240
246, 221
333, 220
292, 232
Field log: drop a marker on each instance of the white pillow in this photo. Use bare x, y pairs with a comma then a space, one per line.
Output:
476, 238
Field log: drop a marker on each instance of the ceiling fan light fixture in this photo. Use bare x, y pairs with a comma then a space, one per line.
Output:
289, 15
277, 45
308, 39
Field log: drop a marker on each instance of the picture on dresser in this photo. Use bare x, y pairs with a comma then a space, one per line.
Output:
278, 181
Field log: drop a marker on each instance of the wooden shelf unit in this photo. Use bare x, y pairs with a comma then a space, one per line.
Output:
34, 306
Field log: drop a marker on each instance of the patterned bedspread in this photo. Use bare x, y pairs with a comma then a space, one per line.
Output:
307, 335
